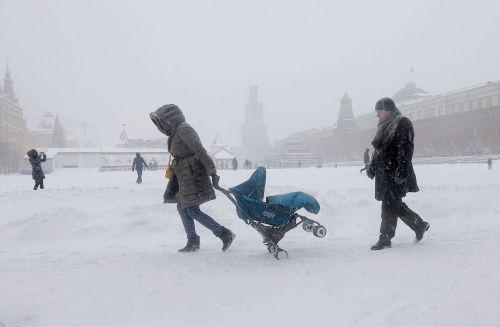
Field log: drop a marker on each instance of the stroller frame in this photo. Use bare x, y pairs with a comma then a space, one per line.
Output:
270, 233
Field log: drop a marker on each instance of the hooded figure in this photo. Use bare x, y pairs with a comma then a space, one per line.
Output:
391, 166
190, 184
36, 165
138, 162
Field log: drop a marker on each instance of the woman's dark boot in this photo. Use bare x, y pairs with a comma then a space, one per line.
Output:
227, 238
192, 245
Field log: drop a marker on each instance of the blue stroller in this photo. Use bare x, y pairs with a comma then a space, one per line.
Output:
277, 215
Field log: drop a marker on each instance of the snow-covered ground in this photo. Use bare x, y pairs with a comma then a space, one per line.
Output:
96, 249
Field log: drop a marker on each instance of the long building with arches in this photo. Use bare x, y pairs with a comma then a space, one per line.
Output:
460, 122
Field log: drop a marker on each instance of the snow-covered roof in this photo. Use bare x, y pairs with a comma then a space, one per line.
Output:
219, 149
52, 152
222, 153
218, 141
123, 138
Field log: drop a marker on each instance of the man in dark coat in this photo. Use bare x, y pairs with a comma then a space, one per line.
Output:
36, 165
235, 163
138, 162
190, 184
366, 159
391, 166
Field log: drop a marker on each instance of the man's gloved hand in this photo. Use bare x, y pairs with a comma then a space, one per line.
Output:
399, 180
369, 172
215, 180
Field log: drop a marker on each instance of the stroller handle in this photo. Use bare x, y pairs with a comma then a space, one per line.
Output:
219, 188
231, 198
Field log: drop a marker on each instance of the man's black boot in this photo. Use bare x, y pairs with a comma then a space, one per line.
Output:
227, 238
192, 245
420, 234
381, 244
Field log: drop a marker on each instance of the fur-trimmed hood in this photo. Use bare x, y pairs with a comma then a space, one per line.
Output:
167, 117
32, 154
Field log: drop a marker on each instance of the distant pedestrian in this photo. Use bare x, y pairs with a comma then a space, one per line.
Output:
234, 163
392, 169
36, 165
138, 162
246, 164
366, 159
490, 164
298, 165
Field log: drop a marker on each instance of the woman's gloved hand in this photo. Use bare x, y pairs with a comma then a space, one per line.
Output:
215, 180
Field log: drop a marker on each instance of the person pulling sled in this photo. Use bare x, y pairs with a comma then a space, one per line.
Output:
190, 185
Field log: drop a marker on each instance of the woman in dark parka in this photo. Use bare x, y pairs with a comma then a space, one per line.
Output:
36, 164
391, 166
190, 186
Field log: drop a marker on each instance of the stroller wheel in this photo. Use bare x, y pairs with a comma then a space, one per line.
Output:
308, 226
271, 248
319, 231
281, 254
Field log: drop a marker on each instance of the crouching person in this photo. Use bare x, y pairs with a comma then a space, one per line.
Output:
190, 184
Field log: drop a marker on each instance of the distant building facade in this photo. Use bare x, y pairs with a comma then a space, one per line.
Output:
14, 137
254, 136
461, 122
50, 133
125, 142
293, 154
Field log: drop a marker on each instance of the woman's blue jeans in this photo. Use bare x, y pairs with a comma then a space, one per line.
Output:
190, 214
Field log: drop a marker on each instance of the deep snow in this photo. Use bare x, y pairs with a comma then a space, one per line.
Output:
96, 249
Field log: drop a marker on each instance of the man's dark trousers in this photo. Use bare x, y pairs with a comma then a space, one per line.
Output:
391, 211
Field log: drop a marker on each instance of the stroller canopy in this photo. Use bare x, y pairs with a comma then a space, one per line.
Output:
254, 188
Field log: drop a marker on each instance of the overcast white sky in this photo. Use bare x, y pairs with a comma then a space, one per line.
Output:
112, 62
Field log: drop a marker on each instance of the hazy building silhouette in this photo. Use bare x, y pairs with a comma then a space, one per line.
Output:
14, 138
254, 137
